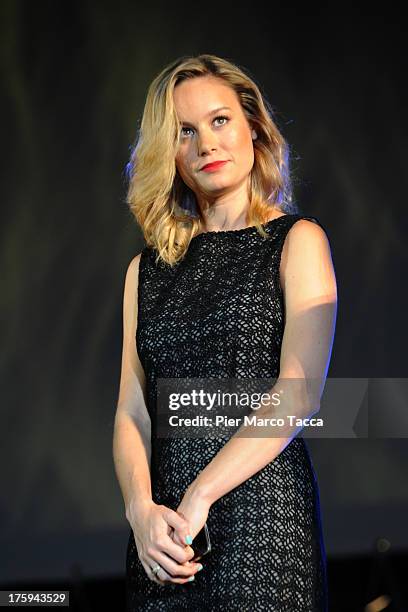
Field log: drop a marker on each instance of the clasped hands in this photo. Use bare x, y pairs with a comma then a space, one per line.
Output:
160, 536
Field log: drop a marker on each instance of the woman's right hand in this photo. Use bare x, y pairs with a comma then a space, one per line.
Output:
152, 525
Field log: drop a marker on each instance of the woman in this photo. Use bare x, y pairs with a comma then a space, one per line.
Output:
233, 283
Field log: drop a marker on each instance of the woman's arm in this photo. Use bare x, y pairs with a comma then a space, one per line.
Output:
132, 429
150, 522
310, 292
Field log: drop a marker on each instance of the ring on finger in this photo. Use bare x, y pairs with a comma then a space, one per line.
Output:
156, 569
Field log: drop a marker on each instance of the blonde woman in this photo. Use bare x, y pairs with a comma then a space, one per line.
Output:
233, 283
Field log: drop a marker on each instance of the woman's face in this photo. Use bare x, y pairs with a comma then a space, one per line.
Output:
209, 135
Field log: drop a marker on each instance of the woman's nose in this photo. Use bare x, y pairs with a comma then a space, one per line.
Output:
206, 143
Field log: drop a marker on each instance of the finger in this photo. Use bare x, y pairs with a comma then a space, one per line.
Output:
189, 552
179, 552
179, 523
148, 569
167, 578
174, 569
161, 577
178, 539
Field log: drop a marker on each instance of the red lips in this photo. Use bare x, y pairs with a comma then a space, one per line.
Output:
213, 165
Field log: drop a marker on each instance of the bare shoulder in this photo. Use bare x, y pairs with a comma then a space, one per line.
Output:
132, 272
131, 283
306, 252
306, 229
304, 236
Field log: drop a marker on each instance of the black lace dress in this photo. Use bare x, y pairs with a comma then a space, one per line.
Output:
219, 313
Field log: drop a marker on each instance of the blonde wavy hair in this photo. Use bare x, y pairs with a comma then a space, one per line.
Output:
156, 192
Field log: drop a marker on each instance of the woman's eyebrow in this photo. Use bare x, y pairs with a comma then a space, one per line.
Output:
216, 110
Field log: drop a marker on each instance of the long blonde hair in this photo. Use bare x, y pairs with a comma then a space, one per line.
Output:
156, 191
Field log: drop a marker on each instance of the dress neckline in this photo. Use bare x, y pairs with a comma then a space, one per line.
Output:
239, 232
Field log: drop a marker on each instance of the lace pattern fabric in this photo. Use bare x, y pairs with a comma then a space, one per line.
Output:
219, 313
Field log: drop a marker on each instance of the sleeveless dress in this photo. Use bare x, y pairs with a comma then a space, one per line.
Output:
220, 313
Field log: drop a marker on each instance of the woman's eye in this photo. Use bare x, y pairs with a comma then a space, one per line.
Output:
221, 117
183, 129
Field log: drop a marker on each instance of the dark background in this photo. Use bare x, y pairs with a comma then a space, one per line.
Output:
74, 78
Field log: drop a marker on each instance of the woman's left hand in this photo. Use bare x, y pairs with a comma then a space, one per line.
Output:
194, 508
